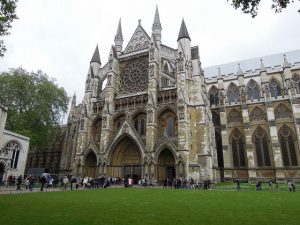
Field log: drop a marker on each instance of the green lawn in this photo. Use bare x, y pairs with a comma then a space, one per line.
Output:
150, 206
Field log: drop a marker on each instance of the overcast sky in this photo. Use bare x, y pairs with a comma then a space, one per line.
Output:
59, 36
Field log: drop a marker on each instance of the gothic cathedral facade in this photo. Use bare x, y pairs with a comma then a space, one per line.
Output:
151, 112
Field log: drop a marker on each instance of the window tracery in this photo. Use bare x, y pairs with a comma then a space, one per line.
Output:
237, 146
214, 96
233, 94
134, 76
261, 146
140, 123
296, 81
257, 114
168, 123
288, 144
274, 88
282, 111
234, 116
253, 91
14, 149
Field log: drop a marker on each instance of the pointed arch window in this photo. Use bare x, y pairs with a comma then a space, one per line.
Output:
257, 114
140, 123
262, 149
233, 94
288, 149
13, 148
166, 69
168, 124
238, 149
214, 96
296, 80
282, 111
253, 91
235, 116
275, 88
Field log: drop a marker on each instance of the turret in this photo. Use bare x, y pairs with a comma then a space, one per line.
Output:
156, 27
119, 39
95, 62
184, 41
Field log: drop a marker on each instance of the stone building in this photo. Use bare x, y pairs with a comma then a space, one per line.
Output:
152, 111
13, 149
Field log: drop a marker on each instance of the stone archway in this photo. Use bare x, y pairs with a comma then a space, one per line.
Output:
2, 170
166, 167
126, 160
90, 164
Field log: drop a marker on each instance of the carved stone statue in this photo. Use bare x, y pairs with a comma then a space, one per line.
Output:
292, 88
179, 62
243, 94
151, 51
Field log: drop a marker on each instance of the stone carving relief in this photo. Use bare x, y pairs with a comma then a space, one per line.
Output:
104, 119
257, 114
234, 116
282, 111
151, 70
179, 62
110, 61
181, 109
108, 80
152, 51
134, 76
150, 113
139, 41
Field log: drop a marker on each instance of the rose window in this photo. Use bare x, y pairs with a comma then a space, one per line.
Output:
134, 76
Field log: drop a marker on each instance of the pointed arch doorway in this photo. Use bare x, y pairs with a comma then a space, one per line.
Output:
90, 165
126, 160
166, 167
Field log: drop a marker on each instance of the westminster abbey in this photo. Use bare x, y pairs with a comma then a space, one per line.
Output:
152, 111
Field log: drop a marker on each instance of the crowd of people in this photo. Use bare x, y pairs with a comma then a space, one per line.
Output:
74, 183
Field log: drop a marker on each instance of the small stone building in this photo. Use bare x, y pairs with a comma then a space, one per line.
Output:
13, 149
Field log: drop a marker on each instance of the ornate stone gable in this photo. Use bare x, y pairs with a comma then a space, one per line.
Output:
134, 75
140, 40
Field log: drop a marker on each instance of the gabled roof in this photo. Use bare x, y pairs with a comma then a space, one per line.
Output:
139, 40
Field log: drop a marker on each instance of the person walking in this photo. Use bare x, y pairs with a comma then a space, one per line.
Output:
43, 181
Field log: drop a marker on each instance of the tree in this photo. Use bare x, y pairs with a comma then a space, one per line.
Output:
35, 105
7, 15
251, 6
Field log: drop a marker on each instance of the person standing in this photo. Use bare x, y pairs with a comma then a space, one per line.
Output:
43, 181
238, 187
19, 182
65, 181
293, 185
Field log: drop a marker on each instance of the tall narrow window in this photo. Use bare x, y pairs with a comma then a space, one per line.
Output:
253, 90
170, 127
13, 148
233, 94
214, 96
275, 88
238, 152
143, 130
296, 80
262, 149
287, 147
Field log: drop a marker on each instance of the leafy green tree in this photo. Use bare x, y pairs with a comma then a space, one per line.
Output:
35, 105
251, 6
7, 15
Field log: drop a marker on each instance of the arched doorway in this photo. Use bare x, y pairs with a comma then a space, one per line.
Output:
166, 165
126, 160
90, 165
2, 168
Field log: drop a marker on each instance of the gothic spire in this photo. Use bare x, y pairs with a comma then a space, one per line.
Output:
285, 62
156, 23
119, 39
183, 33
119, 35
96, 56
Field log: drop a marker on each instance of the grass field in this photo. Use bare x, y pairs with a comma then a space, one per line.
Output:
150, 206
